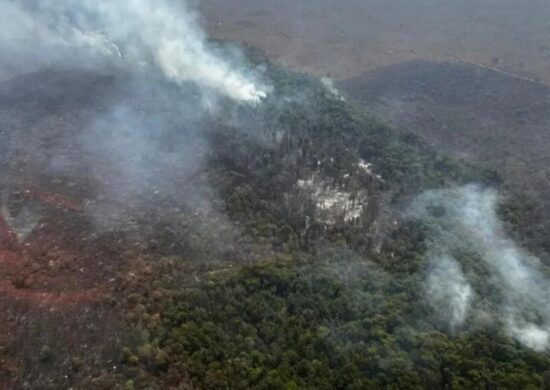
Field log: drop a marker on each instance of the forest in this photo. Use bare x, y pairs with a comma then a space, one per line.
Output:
274, 195
308, 302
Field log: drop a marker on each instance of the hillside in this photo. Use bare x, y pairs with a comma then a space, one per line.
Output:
474, 113
153, 244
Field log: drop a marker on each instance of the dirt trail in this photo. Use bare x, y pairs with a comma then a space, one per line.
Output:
495, 69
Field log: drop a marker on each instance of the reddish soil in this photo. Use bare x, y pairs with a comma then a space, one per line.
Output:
48, 300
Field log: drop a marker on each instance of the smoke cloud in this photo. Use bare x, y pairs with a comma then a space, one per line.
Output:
465, 218
329, 84
133, 33
448, 290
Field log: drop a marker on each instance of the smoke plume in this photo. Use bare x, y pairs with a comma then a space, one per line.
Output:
465, 218
448, 290
134, 33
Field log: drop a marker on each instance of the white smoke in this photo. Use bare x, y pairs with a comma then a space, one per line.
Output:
329, 84
469, 219
448, 290
530, 335
135, 32
23, 223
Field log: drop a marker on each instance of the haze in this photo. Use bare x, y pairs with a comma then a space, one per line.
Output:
344, 38
274, 194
